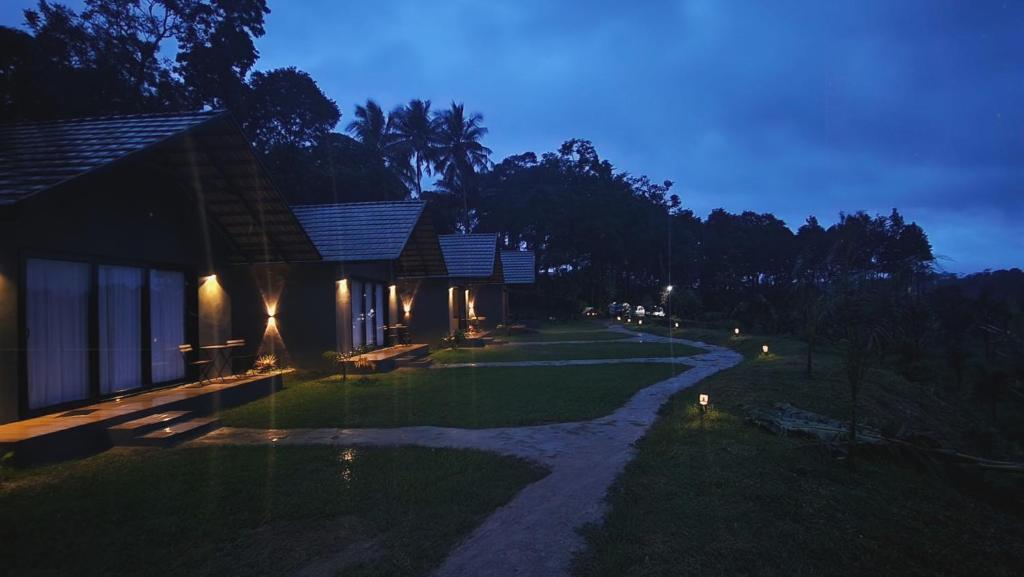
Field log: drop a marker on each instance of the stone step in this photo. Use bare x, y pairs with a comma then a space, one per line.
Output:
415, 362
123, 433
177, 432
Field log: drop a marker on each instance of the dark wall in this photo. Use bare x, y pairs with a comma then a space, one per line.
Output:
302, 297
489, 302
428, 319
8, 324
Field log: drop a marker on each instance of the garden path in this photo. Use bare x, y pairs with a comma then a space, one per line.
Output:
537, 532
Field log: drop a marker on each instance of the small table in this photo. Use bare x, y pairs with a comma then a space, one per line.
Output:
221, 353
400, 333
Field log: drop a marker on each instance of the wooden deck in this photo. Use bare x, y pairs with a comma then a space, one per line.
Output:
386, 359
84, 430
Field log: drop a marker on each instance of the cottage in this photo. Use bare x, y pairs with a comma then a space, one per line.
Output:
475, 280
122, 238
520, 271
383, 270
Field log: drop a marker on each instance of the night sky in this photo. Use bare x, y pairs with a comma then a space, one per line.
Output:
791, 108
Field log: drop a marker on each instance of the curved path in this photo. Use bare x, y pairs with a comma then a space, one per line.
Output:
536, 533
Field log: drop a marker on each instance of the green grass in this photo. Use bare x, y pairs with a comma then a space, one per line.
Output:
564, 331
249, 511
468, 397
557, 352
543, 336
726, 498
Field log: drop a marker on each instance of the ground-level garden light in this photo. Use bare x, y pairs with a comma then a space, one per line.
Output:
703, 399
677, 325
619, 318
640, 321
736, 331
764, 349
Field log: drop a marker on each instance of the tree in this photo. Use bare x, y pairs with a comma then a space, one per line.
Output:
459, 153
414, 132
859, 317
287, 108
371, 127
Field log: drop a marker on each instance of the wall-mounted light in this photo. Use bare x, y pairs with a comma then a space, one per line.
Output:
209, 277
668, 288
407, 308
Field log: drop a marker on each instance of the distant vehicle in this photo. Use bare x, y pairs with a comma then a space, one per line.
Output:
639, 312
658, 312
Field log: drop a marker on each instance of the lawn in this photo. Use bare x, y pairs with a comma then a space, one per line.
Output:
466, 397
249, 511
728, 499
558, 352
565, 331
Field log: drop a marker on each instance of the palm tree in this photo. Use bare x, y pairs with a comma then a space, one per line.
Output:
459, 153
414, 137
371, 127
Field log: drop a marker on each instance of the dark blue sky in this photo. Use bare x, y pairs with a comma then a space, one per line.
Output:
794, 108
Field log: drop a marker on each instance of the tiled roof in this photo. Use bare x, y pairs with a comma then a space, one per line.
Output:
469, 255
35, 156
205, 149
519, 266
360, 231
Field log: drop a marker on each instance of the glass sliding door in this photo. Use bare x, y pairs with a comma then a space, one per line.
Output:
358, 316
378, 318
370, 314
57, 319
120, 328
167, 324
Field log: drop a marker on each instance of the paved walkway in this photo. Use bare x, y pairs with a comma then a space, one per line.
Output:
536, 533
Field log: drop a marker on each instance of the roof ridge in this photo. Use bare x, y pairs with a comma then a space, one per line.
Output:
112, 117
360, 203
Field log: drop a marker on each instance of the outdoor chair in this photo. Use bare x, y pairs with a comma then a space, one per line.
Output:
239, 354
200, 366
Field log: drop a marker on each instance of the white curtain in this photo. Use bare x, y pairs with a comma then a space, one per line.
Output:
120, 328
379, 315
370, 313
357, 314
57, 317
167, 324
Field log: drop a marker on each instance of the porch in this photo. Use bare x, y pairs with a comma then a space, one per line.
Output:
176, 411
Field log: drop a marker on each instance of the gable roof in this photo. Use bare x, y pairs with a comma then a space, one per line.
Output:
376, 231
204, 152
358, 231
36, 156
519, 266
471, 255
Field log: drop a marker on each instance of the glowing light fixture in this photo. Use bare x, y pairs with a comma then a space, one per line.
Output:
640, 322
677, 325
703, 399
407, 308
668, 288
619, 318
208, 278
736, 331
764, 349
